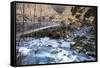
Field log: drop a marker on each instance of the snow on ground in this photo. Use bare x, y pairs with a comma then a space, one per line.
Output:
24, 50
46, 50
65, 44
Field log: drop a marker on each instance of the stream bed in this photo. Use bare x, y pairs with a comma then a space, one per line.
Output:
46, 50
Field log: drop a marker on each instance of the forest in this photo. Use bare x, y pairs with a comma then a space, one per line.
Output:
47, 34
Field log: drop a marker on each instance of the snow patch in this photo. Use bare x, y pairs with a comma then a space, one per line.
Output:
24, 50
66, 44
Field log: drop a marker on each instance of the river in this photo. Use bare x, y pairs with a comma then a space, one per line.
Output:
46, 50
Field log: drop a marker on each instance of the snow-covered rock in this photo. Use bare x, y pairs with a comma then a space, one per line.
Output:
46, 47
24, 50
66, 44
54, 43
72, 43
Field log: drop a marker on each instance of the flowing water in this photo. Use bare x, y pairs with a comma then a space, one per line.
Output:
46, 50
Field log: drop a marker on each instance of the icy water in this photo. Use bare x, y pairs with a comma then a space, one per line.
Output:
46, 50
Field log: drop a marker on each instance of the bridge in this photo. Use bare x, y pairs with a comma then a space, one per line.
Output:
38, 26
